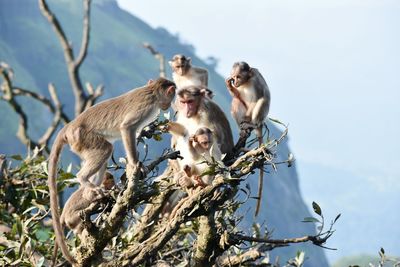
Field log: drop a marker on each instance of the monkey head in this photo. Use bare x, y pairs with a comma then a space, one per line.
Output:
203, 138
241, 73
180, 64
189, 100
165, 91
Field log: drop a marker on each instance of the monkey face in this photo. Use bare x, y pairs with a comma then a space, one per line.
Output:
188, 105
204, 141
240, 74
180, 64
167, 97
240, 78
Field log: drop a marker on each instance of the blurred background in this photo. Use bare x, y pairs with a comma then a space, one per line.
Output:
333, 68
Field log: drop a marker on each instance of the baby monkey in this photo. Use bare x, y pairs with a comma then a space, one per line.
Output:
200, 147
250, 104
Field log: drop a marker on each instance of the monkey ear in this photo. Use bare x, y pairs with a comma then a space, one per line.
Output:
251, 72
170, 62
189, 59
204, 91
171, 90
150, 82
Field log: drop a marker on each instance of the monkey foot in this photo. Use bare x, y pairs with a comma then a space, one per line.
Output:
247, 126
199, 181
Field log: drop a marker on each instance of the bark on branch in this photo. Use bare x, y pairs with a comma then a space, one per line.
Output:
159, 56
82, 99
9, 93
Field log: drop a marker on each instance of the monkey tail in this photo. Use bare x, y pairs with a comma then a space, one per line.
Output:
261, 175
52, 169
54, 256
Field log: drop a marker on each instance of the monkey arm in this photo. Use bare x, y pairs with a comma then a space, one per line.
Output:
192, 148
176, 129
128, 135
232, 90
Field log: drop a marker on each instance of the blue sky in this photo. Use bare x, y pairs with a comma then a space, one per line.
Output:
333, 68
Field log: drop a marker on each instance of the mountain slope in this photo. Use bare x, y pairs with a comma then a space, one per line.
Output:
118, 60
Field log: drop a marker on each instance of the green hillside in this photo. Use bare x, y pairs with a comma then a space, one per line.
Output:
118, 60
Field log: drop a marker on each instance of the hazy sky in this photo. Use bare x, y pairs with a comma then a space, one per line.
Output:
333, 68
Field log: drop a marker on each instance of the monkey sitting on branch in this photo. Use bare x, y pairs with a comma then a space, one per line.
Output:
90, 135
196, 150
184, 74
78, 206
250, 104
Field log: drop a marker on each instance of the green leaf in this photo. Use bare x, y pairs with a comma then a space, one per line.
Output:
157, 137
317, 208
276, 121
16, 157
310, 219
337, 217
42, 235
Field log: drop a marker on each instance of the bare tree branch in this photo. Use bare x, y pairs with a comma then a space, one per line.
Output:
85, 34
72, 64
159, 56
18, 91
44, 140
8, 96
93, 94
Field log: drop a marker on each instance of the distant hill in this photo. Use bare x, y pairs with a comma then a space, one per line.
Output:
117, 60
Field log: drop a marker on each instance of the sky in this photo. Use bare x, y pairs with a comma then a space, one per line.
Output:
333, 68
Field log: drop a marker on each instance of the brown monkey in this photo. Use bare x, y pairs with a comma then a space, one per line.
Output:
250, 104
184, 74
79, 203
90, 133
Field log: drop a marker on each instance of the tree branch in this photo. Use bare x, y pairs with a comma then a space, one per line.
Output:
160, 57
72, 65
85, 34
18, 91
44, 140
8, 96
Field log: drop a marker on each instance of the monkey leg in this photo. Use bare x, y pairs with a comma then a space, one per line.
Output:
98, 178
94, 158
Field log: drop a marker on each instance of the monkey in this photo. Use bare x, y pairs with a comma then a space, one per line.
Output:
79, 203
185, 74
195, 110
200, 147
90, 135
108, 181
250, 104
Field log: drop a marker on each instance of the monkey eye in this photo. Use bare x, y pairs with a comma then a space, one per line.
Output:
190, 101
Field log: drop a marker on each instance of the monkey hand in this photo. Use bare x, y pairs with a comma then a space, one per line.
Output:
228, 82
93, 193
246, 125
165, 128
185, 182
198, 181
